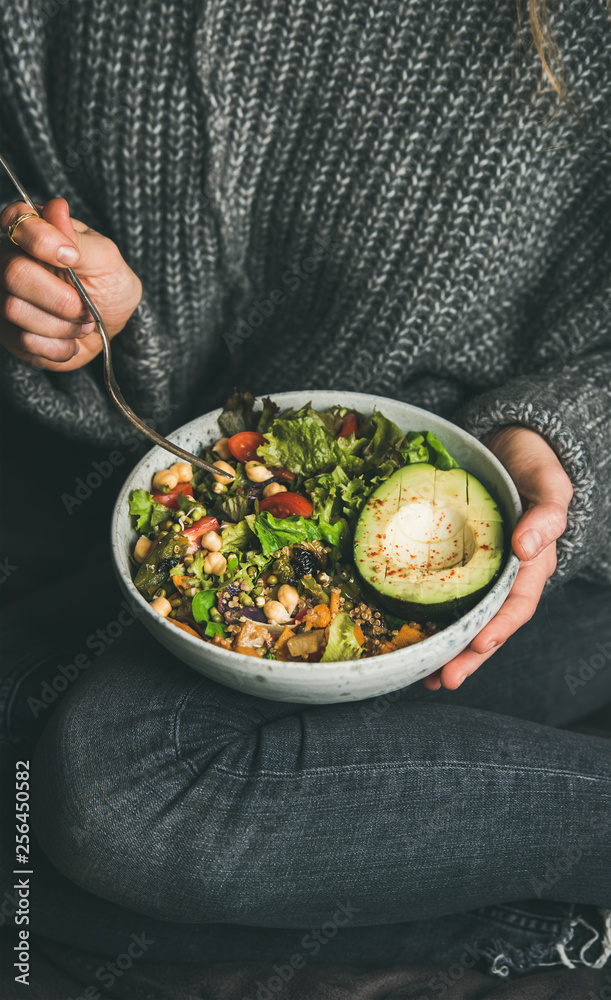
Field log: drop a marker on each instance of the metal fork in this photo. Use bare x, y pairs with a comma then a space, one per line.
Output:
109, 375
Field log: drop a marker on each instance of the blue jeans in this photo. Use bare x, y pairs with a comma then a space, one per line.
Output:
235, 828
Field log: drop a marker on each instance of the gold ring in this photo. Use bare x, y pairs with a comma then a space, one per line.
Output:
13, 226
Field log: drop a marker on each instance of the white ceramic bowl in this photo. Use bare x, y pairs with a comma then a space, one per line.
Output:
320, 683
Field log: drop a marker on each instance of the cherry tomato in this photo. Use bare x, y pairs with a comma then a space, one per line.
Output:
244, 446
171, 499
285, 504
349, 426
197, 529
279, 472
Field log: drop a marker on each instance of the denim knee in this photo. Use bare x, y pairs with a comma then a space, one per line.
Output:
123, 816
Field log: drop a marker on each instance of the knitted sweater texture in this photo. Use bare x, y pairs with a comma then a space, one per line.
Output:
347, 194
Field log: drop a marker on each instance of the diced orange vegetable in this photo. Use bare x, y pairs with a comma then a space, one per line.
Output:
184, 627
281, 649
407, 636
387, 647
182, 582
334, 602
358, 635
250, 640
219, 640
317, 617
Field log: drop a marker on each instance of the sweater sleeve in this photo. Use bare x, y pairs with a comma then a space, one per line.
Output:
76, 404
570, 406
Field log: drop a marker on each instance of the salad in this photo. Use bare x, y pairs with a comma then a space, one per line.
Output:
263, 563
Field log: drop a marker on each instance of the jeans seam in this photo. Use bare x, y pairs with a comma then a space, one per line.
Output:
405, 765
175, 728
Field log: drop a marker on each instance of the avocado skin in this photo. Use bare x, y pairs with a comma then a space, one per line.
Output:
444, 612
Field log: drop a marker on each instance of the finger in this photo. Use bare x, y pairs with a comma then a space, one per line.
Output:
25, 316
54, 242
541, 525
432, 682
462, 666
28, 280
520, 605
30, 346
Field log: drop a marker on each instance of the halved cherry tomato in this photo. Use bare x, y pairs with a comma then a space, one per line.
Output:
279, 472
197, 529
171, 499
244, 446
285, 504
349, 426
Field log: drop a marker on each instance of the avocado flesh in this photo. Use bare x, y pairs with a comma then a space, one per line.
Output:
429, 543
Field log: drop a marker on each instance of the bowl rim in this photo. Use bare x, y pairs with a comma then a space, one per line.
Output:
508, 572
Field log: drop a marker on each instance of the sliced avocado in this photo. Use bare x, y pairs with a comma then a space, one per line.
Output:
429, 542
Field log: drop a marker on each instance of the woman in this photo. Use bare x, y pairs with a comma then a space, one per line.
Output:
452, 214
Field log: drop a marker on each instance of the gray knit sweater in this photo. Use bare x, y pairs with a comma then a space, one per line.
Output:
343, 194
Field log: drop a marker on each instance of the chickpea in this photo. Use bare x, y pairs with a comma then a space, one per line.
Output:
256, 472
289, 597
142, 549
162, 606
272, 489
215, 563
165, 480
184, 471
274, 611
212, 541
222, 448
227, 468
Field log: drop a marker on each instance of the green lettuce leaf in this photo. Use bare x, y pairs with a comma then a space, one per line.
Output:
439, 456
302, 443
215, 628
201, 604
185, 503
276, 532
148, 512
414, 449
382, 436
237, 537
342, 644
239, 414
331, 533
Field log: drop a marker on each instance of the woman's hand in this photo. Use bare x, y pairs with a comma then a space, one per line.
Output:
546, 492
42, 318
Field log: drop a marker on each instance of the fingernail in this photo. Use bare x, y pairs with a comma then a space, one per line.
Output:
86, 328
67, 255
491, 645
531, 542
461, 679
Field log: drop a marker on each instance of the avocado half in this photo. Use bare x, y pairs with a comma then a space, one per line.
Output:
429, 543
